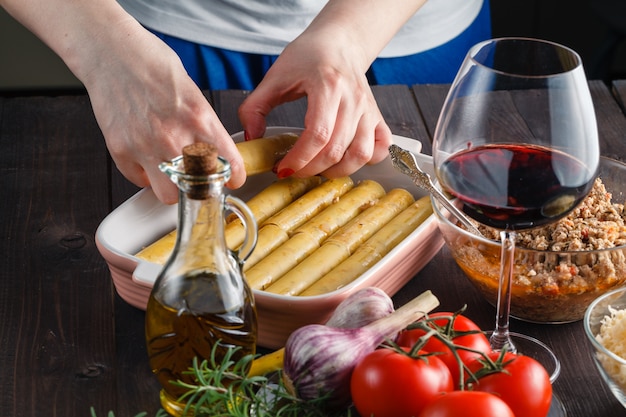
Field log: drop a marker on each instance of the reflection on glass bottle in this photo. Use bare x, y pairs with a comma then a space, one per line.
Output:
200, 298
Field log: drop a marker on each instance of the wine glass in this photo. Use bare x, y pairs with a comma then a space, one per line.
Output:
517, 144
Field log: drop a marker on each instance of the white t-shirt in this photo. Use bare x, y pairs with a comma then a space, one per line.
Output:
266, 26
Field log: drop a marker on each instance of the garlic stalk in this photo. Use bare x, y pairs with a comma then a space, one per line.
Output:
319, 359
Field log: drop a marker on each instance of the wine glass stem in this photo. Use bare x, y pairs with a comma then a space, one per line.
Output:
500, 336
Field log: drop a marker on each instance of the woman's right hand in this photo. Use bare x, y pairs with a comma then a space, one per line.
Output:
148, 109
146, 105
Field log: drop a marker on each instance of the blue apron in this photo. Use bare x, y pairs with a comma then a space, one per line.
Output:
221, 69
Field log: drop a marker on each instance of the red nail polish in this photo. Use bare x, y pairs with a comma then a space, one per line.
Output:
285, 172
246, 135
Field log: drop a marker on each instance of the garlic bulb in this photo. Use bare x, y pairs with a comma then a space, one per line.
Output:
358, 309
361, 308
319, 359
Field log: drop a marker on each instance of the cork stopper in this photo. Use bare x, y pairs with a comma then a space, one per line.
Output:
200, 159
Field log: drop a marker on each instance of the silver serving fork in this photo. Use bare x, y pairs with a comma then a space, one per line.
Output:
405, 162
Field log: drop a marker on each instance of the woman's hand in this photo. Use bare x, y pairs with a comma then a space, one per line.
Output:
344, 128
148, 109
145, 103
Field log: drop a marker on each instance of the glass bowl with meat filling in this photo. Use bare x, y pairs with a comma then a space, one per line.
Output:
560, 268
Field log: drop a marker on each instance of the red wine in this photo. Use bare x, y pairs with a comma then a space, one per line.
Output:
516, 186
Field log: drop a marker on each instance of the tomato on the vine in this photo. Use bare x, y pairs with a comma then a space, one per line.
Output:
524, 385
456, 331
389, 383
467, 404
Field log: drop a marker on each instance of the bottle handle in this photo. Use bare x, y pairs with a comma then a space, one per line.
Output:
244, 213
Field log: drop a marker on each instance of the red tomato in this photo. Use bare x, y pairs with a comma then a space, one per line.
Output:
467, 404
387, 383
524, 386
476, 341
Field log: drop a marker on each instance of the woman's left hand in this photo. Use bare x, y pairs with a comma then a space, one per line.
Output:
344, 128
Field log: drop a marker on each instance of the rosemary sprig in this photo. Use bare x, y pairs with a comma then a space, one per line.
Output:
222, 388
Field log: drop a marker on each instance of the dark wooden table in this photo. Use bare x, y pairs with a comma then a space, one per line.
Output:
68, 342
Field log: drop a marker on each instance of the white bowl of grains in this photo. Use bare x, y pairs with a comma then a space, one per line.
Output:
605, 327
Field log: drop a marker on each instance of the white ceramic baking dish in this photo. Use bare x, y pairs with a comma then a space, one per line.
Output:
142, 219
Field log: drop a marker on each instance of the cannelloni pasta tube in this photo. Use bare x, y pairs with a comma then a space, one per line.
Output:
260, 155
311, 234
276, 229
263, 205
373, 249
341, 244
268, 202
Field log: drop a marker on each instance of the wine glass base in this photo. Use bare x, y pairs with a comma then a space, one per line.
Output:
536, 349
557, 409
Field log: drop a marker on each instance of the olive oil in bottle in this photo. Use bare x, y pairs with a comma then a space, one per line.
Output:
178, 331
200, 302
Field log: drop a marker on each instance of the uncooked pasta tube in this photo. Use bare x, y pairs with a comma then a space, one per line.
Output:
311, 234
373, 249
260, 155
276, 229
267, 202
341, 244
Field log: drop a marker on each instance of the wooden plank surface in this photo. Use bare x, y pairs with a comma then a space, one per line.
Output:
398, 107
611, 121
430, 100
619, 91
67, 342
55, 288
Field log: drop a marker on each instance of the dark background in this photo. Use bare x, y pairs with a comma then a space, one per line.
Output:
588, 26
